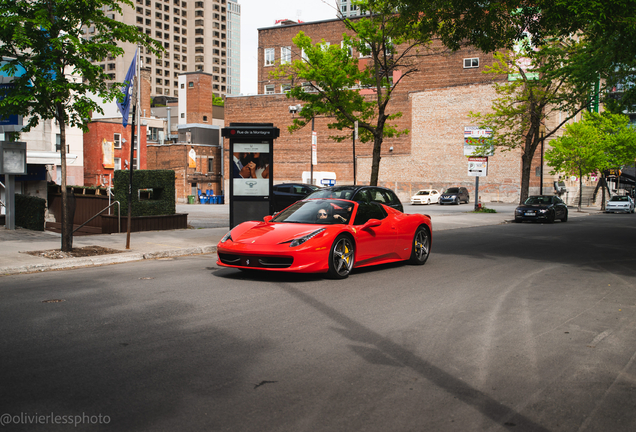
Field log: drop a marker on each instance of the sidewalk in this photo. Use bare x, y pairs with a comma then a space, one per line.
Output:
210, 225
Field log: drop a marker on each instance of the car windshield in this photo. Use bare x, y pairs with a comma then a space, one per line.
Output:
534, 200
619, 198
423, 193
333, 193
319, 211
452, 190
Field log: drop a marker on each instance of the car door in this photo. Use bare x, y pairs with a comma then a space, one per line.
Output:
560, 206
374, 243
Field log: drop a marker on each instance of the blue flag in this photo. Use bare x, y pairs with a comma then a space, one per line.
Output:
124, 106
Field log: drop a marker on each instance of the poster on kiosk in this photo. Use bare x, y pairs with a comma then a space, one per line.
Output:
251, 170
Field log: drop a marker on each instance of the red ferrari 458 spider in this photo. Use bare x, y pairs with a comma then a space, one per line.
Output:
327, 235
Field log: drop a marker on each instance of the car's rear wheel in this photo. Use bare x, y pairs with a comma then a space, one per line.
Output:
421, 246
341, 257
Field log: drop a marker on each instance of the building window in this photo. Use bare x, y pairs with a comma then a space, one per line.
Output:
205, 118
191, 84
117, 140
182, 115
269, 56
211, 165
269, 89
471, 63
285, 54
117, 164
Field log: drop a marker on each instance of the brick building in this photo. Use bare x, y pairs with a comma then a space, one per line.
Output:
435, 103
195, 155
107, 148
107, 142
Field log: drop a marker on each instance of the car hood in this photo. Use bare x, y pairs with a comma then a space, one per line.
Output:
534, 206
265, 233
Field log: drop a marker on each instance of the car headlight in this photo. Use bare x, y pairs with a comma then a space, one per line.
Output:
300, 240
227, 237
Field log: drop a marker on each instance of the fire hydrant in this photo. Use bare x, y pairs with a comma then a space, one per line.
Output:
479, 204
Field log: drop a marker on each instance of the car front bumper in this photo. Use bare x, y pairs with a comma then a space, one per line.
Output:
618, 209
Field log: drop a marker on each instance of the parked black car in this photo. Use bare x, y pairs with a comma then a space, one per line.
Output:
454, 195
285, 194
361, 193
545, 208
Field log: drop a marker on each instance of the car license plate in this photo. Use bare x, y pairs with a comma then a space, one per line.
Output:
529, 214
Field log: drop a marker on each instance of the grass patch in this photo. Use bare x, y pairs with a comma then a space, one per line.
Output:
484, 209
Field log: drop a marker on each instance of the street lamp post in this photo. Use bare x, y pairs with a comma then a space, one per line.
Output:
542, 131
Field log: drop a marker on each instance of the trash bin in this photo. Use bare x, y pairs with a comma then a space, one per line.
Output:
203, 199
191, 199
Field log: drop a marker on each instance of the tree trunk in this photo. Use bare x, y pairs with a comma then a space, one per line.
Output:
580, 189
375, 163
526, 167
67, 222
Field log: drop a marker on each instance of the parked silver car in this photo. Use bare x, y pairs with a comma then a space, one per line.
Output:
623, 204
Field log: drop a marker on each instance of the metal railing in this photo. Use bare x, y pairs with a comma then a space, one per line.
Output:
102, 211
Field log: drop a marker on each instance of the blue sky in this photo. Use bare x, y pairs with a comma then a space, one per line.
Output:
256, 14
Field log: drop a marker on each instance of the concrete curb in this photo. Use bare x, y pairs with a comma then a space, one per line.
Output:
101, 260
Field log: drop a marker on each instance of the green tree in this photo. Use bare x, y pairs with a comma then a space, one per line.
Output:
45, 37
595, 144
334, 83
534, 93
606, 28
577, 152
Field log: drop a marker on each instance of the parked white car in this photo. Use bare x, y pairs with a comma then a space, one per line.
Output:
426, 196
621, 203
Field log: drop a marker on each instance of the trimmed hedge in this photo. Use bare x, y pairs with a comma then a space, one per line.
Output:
30, 212
157, 192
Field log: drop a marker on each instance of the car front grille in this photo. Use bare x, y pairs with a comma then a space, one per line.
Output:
256, 261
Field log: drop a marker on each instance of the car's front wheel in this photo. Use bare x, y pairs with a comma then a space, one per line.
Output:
421, 246
341, 257
565, 217
550, 218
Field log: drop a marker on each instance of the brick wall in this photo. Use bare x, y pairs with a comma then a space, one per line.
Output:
93, 154
434, 102
175, 157
199, 97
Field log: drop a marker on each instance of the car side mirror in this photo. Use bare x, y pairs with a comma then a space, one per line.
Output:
268, 218
372, 223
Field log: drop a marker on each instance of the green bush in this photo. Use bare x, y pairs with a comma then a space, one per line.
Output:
30, 212
153, 192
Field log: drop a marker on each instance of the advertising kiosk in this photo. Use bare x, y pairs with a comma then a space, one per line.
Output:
251, 170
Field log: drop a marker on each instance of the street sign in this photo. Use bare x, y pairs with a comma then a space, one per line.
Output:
478, 166
476, 138
314, 145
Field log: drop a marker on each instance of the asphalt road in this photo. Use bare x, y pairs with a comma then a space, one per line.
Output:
523, 327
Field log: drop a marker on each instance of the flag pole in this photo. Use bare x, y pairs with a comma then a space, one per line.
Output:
131, 165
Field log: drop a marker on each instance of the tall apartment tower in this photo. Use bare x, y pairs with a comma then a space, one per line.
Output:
347, 9
194, 33
234, 47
